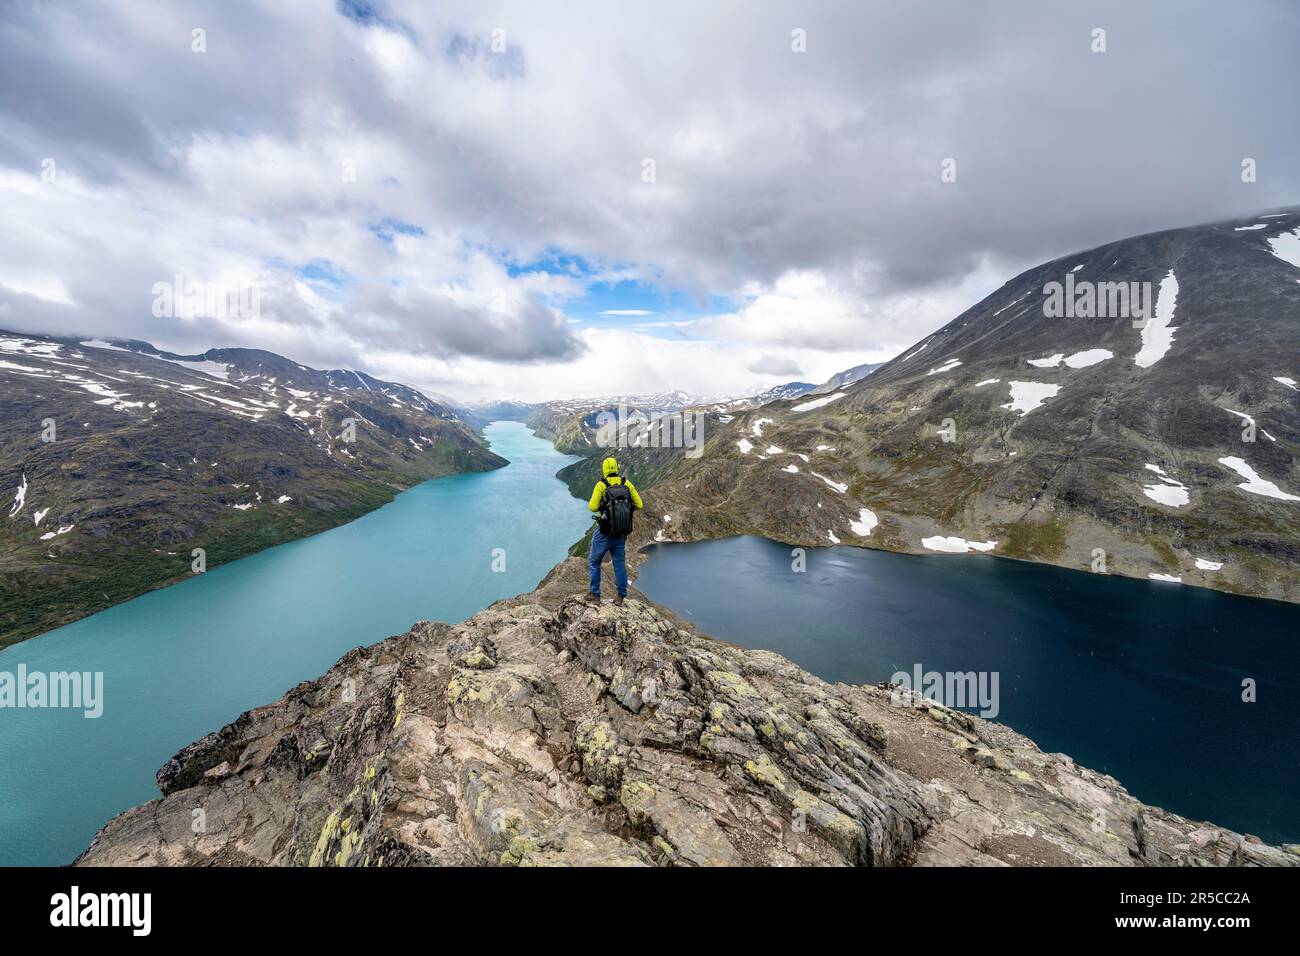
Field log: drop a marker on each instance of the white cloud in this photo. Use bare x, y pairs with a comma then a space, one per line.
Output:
804, 187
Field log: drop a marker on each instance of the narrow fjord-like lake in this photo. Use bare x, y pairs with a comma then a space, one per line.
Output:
1138, 679
184, 661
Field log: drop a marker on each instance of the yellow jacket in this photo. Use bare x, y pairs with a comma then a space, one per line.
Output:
609, 467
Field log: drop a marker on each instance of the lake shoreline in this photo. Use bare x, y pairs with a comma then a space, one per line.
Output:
1134, 678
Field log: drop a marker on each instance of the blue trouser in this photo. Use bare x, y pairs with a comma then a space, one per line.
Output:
616, 545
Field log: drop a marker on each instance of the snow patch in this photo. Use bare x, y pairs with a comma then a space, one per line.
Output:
793, 469
831, 535
757, 427
100, 344
1088, 357
744, 446
773, 450
955, 545
213, 369
28, 346
283, 499
1288, 382
1205, 564
817, 402
1249, 421
1050, 362
1254, 483
1173, 493
20, 497
987, 381
1026, 396
54, 534
865, 524
40, 516
947, 366
1287, 247
1172, 579
838, 486
1010, 304
1157, 333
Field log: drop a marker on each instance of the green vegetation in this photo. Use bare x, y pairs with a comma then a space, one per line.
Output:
42, 599
1033, 540
1164, 551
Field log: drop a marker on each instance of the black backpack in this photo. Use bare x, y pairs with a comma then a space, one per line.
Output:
618, 510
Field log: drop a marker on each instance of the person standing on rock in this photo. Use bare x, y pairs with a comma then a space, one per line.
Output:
612, 502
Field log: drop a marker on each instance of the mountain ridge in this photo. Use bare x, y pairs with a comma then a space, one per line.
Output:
118, 461
1042, 438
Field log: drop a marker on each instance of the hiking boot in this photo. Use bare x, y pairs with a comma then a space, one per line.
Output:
592, 598
618, 600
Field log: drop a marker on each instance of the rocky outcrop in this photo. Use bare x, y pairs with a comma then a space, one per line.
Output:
545, 731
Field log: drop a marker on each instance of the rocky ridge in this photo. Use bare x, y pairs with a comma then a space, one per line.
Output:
545, 731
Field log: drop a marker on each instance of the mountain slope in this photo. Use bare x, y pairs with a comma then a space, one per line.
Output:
1083, 442
155, 454
780, 392
544, 731
847, 377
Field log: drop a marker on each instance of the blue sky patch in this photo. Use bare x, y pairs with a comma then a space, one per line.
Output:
327, 279
389, 227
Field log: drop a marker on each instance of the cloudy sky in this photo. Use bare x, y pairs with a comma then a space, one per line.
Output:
542, 200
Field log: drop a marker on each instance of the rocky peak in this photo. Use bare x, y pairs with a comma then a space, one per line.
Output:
545, 731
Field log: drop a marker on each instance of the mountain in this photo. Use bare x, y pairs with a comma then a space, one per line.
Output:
547, 732
1166, 452
572, 424
779, 393
500, 410
117, 460
840, 379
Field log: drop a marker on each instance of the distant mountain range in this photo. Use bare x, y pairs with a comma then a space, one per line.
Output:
1163, 448
847, 377
118, 459
571, 424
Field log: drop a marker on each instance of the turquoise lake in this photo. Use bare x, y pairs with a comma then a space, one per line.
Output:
183, 661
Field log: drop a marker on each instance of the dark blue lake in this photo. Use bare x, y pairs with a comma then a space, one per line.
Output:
1139, 679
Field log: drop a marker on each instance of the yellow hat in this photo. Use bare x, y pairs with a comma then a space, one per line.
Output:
609, 467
